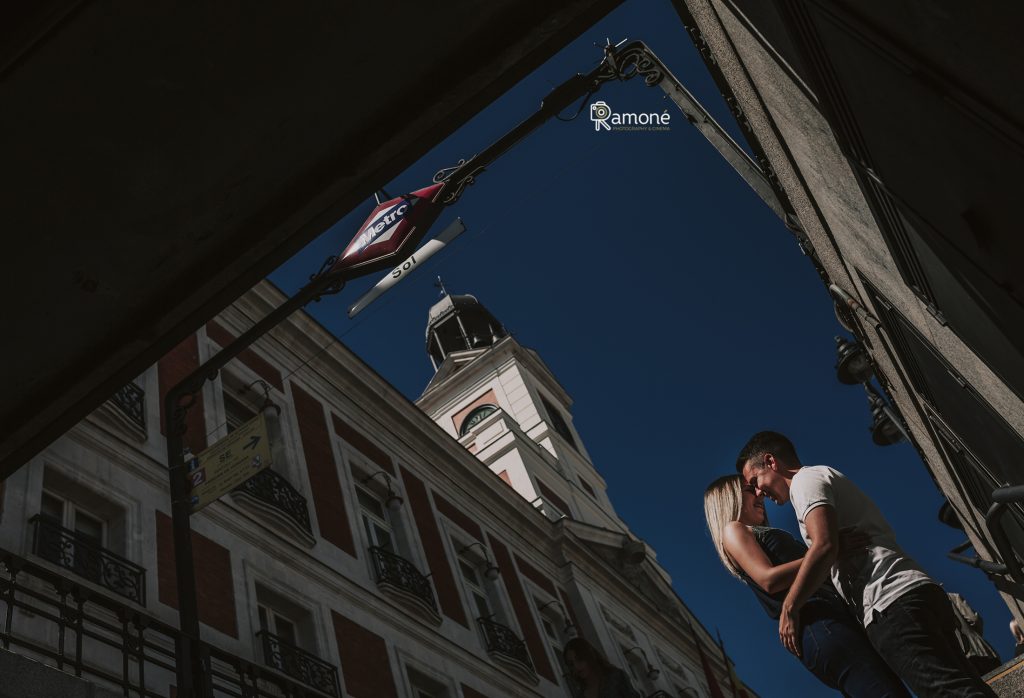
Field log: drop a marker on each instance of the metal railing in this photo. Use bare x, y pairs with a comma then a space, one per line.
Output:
87, 559
61, 622
131, 400
501, 640
1010, 567
299, 664
272, 489
395, 570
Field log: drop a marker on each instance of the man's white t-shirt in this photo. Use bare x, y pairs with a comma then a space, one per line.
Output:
869, 580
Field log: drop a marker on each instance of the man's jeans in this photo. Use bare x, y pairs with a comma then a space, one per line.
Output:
915, 636
836, 650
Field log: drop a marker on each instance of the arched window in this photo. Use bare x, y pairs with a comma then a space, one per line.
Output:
475, 417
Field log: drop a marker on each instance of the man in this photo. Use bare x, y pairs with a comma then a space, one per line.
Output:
906, 615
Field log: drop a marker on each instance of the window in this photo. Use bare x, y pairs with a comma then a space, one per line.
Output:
476, 416
236, 413
80, 554
556, 630
638, 668
558, 422
427, 685
286, 620
588, 489
376, 524
84, 532
480, 604
287, 635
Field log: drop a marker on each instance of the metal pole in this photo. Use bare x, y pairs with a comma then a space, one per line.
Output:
193, 681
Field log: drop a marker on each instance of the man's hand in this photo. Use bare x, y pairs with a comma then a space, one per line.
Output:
789, 629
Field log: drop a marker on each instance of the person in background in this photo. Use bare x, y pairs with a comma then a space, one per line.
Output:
969, 631
595, 676
835, 648
1018, 638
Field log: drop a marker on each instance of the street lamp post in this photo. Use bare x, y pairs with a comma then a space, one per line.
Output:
192, 678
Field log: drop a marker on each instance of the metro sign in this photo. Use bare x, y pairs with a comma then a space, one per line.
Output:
392, 228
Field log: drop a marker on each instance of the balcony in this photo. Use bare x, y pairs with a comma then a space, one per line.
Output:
396, 574
125, 412
299, 664
271, 494
72, 551
503, 644
131, 400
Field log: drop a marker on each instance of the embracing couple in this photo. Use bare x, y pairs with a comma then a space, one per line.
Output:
859, 613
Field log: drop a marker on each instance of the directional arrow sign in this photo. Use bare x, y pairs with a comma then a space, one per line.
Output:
228, 463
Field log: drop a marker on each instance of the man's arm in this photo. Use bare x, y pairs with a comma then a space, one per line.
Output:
823, 532
743, 548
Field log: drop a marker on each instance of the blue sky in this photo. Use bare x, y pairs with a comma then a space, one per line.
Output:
676, 310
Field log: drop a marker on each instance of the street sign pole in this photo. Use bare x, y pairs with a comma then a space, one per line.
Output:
192, 676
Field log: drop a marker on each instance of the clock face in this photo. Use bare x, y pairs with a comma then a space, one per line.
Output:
477, 416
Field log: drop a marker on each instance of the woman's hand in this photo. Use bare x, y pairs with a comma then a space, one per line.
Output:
852, 540
789, 627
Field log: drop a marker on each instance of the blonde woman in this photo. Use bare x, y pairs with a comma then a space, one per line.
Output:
835, 647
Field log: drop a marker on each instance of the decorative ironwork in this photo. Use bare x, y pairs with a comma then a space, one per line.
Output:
399, 572
93, 635
299, 664
502, 641
87, 559
632, 60
131, 400
270, 488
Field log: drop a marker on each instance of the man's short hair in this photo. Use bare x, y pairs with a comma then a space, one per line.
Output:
766, 442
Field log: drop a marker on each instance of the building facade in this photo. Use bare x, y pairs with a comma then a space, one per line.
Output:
896, 152
448, 548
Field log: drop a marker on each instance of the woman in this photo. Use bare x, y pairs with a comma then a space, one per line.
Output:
834, 645
596, 676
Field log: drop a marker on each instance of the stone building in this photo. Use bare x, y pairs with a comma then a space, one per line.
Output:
892, 134
444, 548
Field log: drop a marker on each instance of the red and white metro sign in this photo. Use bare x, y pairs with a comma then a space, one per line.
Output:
392, 228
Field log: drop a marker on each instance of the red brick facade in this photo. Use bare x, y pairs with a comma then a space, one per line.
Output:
521, 607
535, 575
363, 444
433, 548
365, 663
171, 369
458, 517
328, 499
260, 366
214, 582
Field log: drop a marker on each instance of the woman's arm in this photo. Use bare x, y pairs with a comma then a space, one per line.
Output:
745, 552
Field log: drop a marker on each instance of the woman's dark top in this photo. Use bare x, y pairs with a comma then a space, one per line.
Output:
780, 548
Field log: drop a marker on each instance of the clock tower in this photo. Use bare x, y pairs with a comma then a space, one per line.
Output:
503, 404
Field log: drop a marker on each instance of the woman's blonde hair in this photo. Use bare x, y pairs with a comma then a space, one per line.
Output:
723, 502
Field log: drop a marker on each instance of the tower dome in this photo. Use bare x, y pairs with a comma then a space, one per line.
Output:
460, 323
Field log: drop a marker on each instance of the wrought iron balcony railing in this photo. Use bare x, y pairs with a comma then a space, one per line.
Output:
396, 571
299, 664
87, 559
79, 630
131, 400
272, 489
503, 641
